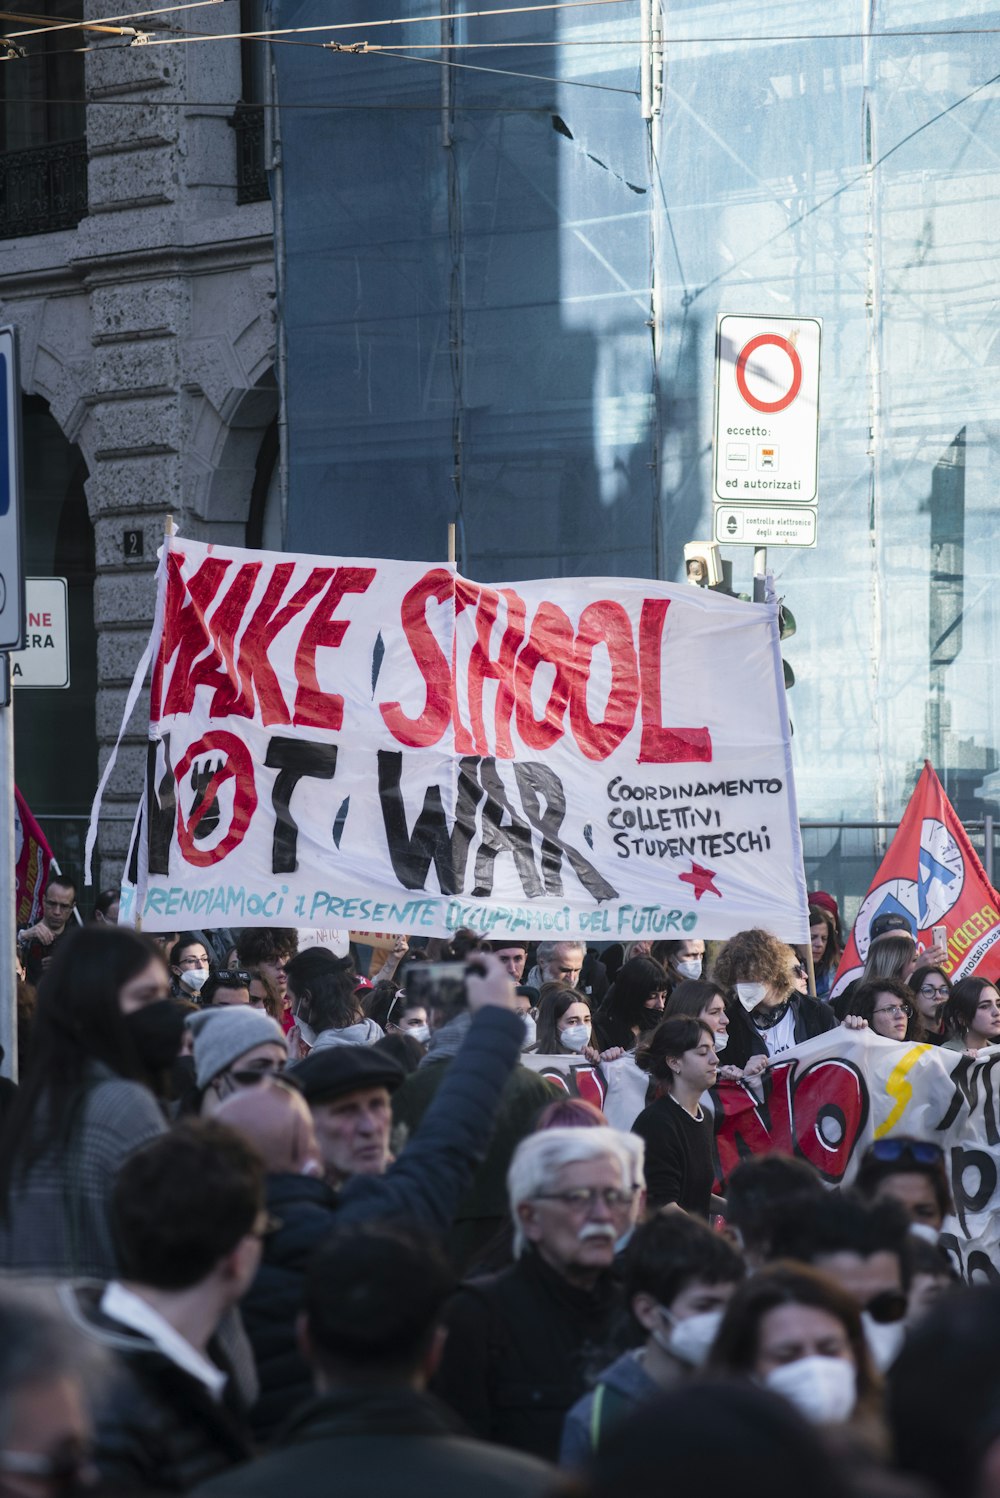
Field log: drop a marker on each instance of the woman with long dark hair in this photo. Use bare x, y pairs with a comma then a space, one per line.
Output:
326, 1002
931, 988
633, 1004
565, 1025
104, 1036
972, 1016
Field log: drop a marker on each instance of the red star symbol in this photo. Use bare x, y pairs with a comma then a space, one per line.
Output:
700, 880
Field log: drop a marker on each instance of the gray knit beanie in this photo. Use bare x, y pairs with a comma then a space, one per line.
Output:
223, 1035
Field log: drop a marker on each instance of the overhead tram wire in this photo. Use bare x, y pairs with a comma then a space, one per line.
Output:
138, 15
47, 26
471, 67
275, 34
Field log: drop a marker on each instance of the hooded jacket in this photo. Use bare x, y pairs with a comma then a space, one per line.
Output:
619, 1390
365, 1032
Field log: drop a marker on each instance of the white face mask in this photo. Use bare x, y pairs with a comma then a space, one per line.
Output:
689, 968
690, 1338
926, 1232
885, 1339
721, 1039
419, 1032
575, 1037
195, 978
530, 1032
306, 1031
823, 1389
751, 994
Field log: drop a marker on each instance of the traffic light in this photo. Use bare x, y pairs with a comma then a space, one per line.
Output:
703, 563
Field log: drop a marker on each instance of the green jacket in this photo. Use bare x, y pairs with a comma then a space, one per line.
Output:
483, 1209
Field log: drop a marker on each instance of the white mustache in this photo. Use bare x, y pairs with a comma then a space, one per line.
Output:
597, 1230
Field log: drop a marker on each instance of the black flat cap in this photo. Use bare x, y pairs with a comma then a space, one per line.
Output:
335, 1070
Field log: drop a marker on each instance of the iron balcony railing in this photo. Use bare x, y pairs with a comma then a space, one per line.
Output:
251, 175
43, 189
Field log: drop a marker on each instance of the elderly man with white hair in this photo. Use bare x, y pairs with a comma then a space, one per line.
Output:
520, 1342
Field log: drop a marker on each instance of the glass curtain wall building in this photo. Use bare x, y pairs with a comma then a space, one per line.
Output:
504, 245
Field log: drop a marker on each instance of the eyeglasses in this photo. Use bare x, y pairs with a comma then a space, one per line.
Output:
193, 962
933, 991
585, 1198
890, 1150
895, 1010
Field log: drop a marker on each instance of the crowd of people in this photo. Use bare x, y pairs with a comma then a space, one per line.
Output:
275, 1215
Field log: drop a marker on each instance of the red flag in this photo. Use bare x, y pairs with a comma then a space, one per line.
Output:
931, 876
32, 859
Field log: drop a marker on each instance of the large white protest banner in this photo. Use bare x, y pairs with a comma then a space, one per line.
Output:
388, 746
830, 1098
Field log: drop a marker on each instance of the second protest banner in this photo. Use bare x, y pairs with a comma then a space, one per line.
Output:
389, 746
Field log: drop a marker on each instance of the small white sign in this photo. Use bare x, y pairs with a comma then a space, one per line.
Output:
44, 661
765, 525
766, 410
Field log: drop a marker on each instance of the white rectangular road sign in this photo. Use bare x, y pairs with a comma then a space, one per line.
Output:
766, 410
44, 661
765, 525
11, 510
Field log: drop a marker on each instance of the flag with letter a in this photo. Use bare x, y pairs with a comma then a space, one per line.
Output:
931, 876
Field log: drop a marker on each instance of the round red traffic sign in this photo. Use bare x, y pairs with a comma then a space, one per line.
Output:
760, 341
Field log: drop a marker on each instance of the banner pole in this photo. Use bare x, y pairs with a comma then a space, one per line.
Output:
810, 969
451, 543
988, 846
760, 574
8, 921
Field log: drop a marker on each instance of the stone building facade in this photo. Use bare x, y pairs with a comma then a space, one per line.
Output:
148, 330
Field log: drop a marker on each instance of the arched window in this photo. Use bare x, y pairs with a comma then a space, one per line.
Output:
55, 739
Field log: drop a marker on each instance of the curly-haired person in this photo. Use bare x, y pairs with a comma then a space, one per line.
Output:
766, 1014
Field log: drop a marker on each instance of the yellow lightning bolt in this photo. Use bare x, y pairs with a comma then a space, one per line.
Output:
899, 1088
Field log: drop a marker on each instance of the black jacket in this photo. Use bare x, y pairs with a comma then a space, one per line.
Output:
423, 1187
811, 1018
522, 1347
156, 1426
382, 1443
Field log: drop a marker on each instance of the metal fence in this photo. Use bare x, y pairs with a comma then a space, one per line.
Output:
842, 857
